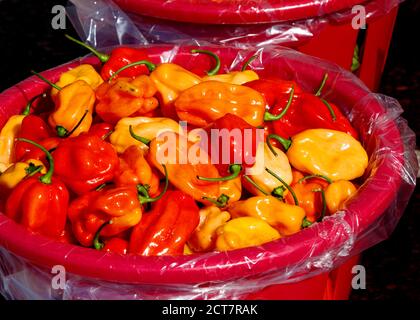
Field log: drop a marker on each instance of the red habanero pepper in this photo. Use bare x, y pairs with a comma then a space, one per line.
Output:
40, 202
167, 227
119, 58
116, 245
101, 130
85, 162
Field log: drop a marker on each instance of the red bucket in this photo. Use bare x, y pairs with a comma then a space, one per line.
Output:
320, 28
312, 264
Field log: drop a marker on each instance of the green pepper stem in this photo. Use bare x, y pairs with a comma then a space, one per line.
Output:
144, 196
324, 204
278, 192
270, 117
312, 176
137, 137
96, 243
28, 106
286, 143
285, 184
62, 132
221, 201
259, 188
234, 169
45, 80
101, 56
322, 85
330, 109
46, 178
306, 223
216, 68
151, 66
248, 62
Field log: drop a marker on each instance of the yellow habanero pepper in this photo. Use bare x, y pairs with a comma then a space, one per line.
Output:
244, 232
278, 163
74, 107
83, 72
234, 77
15, 173
285, 218
231, 188
170, 80
7, 139
337, 193
204, 236
334, 154
145, 127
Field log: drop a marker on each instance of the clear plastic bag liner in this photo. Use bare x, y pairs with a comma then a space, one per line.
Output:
102, 23
26, 259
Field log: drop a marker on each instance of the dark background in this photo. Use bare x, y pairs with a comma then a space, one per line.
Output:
27, 42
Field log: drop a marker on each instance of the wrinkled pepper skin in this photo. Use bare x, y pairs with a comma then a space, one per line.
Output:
101, 130
203, 238
83, 72
170, 80
337, 193
119, 206
234, 77
16, 173
40, 207
145, 127
244, 232
7, 139
121, 57
166, 229
285, 218
331, 153
134, 170
219, 98
85, 162
124, 97
71, 104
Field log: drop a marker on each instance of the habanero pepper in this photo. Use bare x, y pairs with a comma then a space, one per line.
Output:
167, 227
40, 202
7, 138
85, 162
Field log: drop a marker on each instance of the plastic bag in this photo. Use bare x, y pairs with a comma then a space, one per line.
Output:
252, 23
27, 259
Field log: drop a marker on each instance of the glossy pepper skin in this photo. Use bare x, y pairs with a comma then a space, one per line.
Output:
219, 98
337, 193
7, 138
285, 218
331, 153
234, 77
119, 206
17, 172
83, 72
166, 229
124, 97
170, 80
85, 162
244, 232
116, 245
134, 170
72, 103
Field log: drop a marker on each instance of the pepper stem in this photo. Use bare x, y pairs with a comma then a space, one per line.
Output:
45, 80
137, 137
63, 133
306, 223
248, 62
270, 117
151, 66
312, 176
322, 85
286, 143
288, 187
330, 109
216, 68
221, 201
96, 243
324, 204
259, 188
28, 106
144, 194
101, 56
46, 178
278, 192
234, 169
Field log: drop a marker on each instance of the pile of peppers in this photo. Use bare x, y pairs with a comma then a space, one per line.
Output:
80, 164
